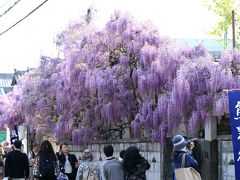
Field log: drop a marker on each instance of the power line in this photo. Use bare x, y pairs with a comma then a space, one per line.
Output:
12, 6
23, 18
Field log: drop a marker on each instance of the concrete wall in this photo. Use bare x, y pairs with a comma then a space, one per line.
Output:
150, 150
225, 167
222, 147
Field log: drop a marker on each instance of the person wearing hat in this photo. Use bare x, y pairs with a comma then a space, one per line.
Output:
179, 149
88, 167
17, 164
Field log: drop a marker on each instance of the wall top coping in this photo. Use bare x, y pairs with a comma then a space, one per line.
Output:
224, 137
134, 140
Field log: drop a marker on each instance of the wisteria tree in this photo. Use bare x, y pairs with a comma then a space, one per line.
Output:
124, 75
100, 71
9, 109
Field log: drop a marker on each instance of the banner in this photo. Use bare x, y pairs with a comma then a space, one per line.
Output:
234, 108
3, 136
14, 135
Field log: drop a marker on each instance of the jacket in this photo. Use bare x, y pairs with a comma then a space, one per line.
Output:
17, 165
72, 159
38, 170
91, 164
139, 172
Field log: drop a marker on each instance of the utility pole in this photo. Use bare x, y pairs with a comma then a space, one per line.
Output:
233, 29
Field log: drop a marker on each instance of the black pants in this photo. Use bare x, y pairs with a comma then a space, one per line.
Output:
70, 176
48, 178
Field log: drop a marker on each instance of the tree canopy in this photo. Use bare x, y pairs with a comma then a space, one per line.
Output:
223, 10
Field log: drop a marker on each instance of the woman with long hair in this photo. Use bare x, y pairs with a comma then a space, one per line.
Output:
46, 162
134, 164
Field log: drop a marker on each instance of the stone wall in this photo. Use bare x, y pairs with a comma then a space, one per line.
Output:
151, 151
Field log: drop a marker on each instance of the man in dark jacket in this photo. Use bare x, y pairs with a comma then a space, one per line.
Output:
68, 162
17, 165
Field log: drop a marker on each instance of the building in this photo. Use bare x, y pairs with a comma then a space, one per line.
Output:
17, 74
6, 82
212, 45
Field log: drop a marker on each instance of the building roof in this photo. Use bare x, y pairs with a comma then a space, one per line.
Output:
17, 74
5, 82
8, 80
212, 45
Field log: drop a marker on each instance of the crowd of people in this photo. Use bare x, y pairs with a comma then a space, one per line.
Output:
43, 163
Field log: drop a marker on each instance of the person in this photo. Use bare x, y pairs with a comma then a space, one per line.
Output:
6, 148
88, 168
17, 165
121, 154
180, 149
196, 151
134, 164
32, 156
45, 165
59, 152
112, 168
34, 152
190, 146
68, 162
1, 162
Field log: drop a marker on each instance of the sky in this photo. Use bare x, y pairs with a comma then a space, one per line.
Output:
22, 46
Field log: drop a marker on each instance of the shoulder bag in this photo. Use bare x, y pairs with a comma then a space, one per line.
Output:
188, 173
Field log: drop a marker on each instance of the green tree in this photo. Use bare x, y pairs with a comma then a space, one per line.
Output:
223, 9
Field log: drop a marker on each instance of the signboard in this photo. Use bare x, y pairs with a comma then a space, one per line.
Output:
234, 108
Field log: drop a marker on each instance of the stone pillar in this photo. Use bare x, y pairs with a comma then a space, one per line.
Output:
210, 151
211, 129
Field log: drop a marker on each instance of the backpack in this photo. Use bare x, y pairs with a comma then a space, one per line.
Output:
90, 173
47, 167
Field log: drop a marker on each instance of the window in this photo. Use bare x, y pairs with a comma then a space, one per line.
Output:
223, 125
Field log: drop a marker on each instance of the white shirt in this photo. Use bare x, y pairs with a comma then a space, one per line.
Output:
67, 166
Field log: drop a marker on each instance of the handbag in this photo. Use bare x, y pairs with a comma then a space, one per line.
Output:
62, 176
186, 173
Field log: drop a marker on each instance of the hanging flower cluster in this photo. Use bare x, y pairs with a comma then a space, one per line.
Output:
124, 75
